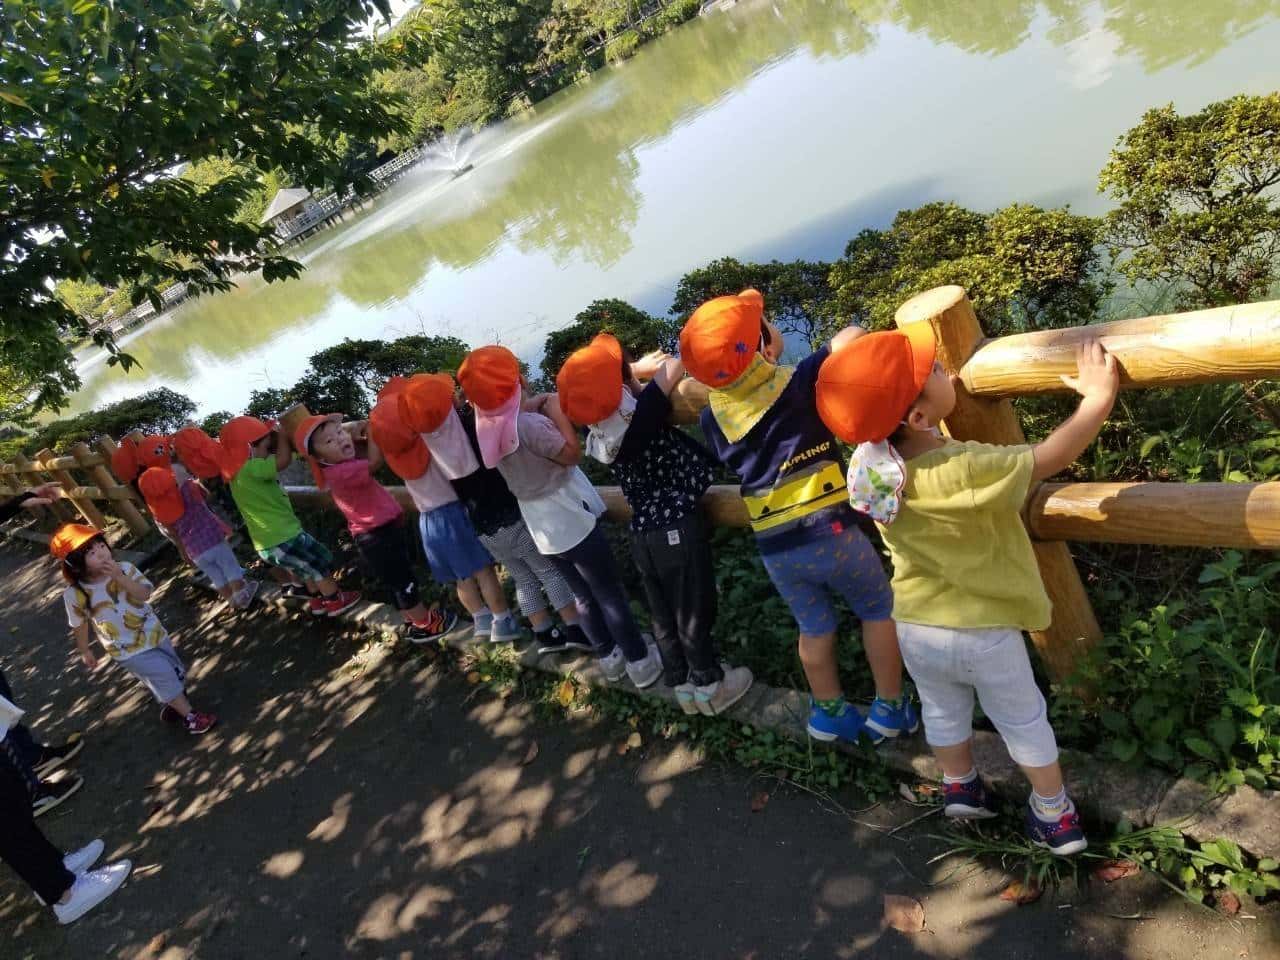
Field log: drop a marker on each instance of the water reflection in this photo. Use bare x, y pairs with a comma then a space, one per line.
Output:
773, 130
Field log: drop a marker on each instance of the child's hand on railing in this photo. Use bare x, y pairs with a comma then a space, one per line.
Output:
1097, 376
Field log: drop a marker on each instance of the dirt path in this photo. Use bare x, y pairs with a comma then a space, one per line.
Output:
386, 813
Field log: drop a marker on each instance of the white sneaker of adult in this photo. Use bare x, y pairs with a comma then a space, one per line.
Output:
90, 889
645, 673
84, 858
614, 665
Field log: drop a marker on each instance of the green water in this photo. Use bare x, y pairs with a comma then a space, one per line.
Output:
771, 130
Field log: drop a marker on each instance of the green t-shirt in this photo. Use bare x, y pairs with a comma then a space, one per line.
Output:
266, 509
961, 555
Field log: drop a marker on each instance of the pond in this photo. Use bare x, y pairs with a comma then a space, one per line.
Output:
771, 130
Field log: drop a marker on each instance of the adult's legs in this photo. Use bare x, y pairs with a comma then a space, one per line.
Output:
29, 752
22, 845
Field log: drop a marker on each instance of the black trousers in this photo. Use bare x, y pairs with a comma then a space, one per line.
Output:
29, 752
680, 584
22, 846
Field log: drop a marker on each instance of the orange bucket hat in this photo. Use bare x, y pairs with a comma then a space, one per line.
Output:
70, 537
198, 452
405, 450
590, 381
235, 437
425, 400
160, 489
124, 461
153, 451
721, 337
866, 388
489, 376
302, 441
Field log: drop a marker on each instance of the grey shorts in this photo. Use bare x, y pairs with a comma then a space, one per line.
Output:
160, 669
220, 565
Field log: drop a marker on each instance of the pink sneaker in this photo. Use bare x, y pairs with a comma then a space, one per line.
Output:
340, 602
198, 723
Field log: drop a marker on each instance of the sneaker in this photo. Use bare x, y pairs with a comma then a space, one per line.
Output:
315, 607
885, 721
1062, 837
822, 726
51, 794
968, 801
613, 665
295, 591
715, 698
51, 758
483, 624
554, 640
198, 723
436, 623
684, 698
244, 597
84, 858
90, 889
575, 638
170, 715
340, 602
505, 630
646, 672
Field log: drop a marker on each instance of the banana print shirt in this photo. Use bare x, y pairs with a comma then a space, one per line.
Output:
124, 627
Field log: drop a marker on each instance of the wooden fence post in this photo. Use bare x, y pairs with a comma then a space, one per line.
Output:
107, 447
29, 476
1074, 630
119, 495
88, 509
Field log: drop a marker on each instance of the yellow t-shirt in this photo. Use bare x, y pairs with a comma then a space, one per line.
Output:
961, 555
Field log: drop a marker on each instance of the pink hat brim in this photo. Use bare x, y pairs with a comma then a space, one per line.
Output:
496, 431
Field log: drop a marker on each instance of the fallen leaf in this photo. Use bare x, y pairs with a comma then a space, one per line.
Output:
1228, 902
564, 693
904, 914
1021, 893
759, 800
473, 676
1112, 870
633, 722
155, 945
634, 741
531, 754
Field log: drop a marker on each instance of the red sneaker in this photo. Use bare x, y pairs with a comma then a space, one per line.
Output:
315, 607
340, 602
198, 723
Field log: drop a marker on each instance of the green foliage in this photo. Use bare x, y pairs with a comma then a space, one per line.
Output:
156, 411
637, 331
622, 47
99, 101
1024, 267
1197, 200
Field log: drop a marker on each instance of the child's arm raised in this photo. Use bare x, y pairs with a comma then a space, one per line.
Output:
374, 453
846, 336
669, 374
138, 589
81, 634
571, 453
284, 449
1097, 380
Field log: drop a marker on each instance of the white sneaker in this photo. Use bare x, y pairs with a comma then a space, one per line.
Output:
505, 630
684, 698
715, 698
245, 596
614, 665
90, 889
645, 673
482, 626
84, 858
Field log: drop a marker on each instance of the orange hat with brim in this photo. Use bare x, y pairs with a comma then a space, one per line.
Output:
302, 441
198, 452
425, 400
866, 388
235, 438
160, 489
721, 337
153, 451
70, 537
590, 381
124, 460
490, 377
402, 446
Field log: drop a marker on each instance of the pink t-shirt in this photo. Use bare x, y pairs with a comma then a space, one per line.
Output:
363, 500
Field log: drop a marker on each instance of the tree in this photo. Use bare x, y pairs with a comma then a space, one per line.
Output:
637, 331
157, 411
101, 102
1197, 200
1024, 267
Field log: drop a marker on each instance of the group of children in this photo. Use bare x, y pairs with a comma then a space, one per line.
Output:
494, 472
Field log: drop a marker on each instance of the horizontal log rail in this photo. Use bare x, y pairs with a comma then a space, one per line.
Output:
1219, 345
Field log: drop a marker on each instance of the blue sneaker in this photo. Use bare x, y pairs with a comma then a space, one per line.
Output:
824, 727
885, 721
1063, 836
968, 801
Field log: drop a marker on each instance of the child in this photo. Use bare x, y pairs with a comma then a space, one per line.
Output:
253, 453
535, 448
663, 473
965, 580
201, 537
113, 597
374, 518
427, 405
762, 424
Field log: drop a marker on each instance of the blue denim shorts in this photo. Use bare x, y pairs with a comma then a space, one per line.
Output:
453, 550
809, 575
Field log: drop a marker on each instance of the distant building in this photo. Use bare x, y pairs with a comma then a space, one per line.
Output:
291, 210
